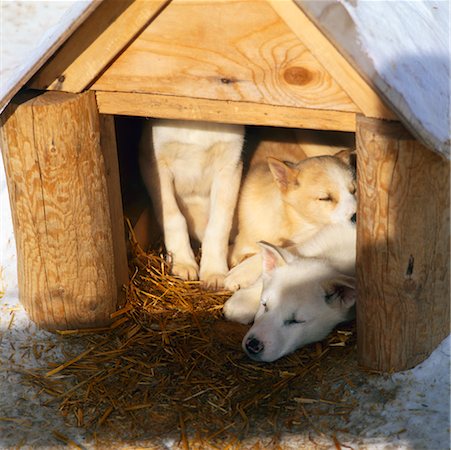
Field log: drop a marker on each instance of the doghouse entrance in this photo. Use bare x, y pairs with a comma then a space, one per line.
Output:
173, 368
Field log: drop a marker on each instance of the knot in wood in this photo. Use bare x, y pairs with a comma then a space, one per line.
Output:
298, 75
227, 80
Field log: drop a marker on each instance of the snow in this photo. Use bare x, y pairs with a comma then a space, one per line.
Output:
416, 417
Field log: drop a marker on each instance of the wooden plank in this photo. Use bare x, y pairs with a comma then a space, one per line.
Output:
237, 50
174, 107
96, 43
59, 197
337, 66
403, 241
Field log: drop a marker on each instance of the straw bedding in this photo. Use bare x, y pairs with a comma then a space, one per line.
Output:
170, 367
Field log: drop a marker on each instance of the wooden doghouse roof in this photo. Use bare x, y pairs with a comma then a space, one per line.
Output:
268, 62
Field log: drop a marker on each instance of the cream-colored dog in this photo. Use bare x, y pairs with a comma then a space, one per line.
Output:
287, 203
192, 171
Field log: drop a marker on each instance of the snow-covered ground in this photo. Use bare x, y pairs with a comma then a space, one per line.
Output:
416, 417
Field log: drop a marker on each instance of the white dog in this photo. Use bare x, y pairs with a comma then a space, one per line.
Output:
298, 299
193, 172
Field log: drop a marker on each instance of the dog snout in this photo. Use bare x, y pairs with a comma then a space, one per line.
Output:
354, 218
254, 346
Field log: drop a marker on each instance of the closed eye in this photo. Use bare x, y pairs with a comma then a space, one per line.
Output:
263, 303
333, 294
292, 321
326, 198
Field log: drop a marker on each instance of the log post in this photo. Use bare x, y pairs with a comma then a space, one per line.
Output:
71, 263
403, 247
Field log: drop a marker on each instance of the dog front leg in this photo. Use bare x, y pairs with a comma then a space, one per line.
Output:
175, 228
243, 305
215, 243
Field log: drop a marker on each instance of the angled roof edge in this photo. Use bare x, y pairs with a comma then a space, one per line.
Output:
400, 48
46, 47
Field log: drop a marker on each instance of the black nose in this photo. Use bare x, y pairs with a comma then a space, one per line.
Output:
254, 346
354, 218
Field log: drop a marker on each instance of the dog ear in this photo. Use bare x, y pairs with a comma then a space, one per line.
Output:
283, 174
340, 291
273, 257
348, 157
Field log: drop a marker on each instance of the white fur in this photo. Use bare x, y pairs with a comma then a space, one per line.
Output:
192, 171
293, 286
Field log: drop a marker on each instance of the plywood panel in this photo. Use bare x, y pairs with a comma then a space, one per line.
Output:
235, 50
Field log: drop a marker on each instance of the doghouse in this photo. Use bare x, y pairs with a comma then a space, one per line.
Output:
267, 62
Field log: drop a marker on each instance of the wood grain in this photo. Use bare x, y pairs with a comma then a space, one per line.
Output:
361, 93
403, 247
58, 189
96, 43
235, 51
174, 107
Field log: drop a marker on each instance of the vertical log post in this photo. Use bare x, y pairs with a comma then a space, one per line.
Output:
403, 247
71, 259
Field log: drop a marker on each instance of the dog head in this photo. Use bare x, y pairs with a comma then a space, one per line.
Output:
320, 189
302, 300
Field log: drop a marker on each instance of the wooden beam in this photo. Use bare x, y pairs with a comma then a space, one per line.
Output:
96, 43
174, 107
336, 65
403, 243
60, 183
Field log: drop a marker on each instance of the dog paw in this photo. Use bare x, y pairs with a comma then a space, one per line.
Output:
212, 281
236, 279
185, 271
244, 274
238, 309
